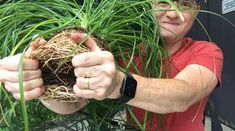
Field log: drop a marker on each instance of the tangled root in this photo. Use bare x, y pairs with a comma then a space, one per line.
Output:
55, 62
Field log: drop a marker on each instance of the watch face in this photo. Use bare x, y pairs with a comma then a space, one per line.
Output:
129, 87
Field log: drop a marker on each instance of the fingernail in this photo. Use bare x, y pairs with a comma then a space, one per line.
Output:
76, 37
42, 41
75, 89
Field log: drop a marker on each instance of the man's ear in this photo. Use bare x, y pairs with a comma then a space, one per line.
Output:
197, 10
198, 7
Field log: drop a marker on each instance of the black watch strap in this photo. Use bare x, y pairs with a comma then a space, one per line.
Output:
128, 89
123, 100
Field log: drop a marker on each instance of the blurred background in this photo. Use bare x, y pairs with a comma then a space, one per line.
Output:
223, 34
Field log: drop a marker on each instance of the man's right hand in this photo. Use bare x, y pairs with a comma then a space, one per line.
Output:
32, 81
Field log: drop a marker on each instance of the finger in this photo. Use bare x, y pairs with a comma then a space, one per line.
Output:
87, 94
34, 45
30, 64
32, 94
92, 58
92, 71
89, 42
83, 83
27, 85
90, 94
12, 63
13, 76
95, 71
92, 83
97, 87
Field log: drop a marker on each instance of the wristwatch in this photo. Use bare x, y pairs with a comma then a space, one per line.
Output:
128, 89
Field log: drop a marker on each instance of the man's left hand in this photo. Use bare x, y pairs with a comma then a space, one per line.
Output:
96, 72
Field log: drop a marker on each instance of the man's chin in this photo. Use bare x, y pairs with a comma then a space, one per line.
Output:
170, 36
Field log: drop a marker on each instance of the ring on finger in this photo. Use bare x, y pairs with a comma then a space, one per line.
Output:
86, 85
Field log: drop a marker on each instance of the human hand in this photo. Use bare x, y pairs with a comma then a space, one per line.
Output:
32, 81
96, 72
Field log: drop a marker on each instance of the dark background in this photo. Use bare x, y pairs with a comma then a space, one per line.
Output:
223, 34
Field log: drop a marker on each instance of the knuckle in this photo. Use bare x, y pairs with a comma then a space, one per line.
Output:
108, 55
78, 73
80, 81
40, 72
100, 97
2, 76
4, 61
9, 89
75, 60
16, 96
75, 72
41, 91
1, 64
101, 94
77, 80
28, 98
75, 89
112, 69
41, 82
34, 94
26, 86
36, 62
11, 76
37, 73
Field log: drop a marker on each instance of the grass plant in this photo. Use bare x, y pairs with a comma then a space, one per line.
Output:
124, 24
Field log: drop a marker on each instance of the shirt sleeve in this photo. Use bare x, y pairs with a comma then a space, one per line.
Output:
210, 56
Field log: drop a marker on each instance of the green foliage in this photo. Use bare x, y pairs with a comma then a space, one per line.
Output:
125, 25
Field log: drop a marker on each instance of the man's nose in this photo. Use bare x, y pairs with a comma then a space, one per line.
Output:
173, 14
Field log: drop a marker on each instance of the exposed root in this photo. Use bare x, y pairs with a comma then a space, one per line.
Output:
60, 93
55, 62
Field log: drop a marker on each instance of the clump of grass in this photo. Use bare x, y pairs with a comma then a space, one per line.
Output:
125, 25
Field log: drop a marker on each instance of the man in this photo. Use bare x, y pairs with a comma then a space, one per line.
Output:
195, 71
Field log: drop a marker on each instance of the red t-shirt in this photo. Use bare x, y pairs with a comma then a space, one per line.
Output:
192, 52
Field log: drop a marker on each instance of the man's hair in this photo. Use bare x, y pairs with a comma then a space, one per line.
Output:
198, 1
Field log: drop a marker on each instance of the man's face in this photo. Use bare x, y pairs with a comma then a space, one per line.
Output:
172, 25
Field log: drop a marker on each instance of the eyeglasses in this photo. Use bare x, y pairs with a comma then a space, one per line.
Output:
181, 4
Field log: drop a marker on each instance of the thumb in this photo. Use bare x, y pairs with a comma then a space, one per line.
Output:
89, 42
34, 45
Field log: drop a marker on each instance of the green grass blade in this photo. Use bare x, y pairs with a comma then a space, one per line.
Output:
22, 97
135, 119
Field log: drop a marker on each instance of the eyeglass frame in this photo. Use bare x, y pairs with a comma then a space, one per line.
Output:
194, 5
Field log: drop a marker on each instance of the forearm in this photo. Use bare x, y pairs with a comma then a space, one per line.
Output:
163, 95
64, 107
